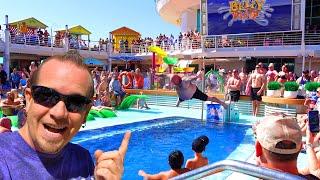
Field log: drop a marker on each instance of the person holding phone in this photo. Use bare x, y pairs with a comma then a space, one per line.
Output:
57, 104
313, 121
312, 155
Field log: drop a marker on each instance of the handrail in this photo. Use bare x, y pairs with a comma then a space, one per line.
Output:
237, 166
260, 39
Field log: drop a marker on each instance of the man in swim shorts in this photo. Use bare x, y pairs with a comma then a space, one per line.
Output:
187, 90
233, 86
255, 87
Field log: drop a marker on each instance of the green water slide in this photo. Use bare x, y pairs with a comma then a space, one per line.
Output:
103, 113
14, 120
129, 101
170, 60
219, 78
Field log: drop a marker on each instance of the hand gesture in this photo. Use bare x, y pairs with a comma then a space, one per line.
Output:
109, 165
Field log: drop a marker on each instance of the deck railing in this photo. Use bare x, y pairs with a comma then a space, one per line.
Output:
268, 39
237, 166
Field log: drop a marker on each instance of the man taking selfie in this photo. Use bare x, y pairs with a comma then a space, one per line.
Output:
57, 104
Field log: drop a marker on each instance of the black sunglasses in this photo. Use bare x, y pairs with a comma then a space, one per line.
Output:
48, 97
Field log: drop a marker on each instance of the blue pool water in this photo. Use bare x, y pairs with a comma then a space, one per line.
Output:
152, 141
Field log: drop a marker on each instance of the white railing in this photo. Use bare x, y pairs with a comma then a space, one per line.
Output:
184, 44
207, 42
312, 38
237, 166
260, 39
253, 40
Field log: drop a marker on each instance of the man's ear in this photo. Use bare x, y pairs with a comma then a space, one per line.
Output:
28, 97
258, 149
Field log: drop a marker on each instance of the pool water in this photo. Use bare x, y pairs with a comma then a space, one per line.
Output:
153, 140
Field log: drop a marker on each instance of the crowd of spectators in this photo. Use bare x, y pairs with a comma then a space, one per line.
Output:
184, 41
278, 137
187, 40
110, 86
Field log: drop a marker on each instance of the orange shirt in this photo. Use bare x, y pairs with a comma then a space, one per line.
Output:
139, 81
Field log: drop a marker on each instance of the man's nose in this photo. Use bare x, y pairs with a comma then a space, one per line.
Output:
59, 111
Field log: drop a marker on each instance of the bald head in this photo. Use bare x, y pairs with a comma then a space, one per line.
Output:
176, 79
59, 63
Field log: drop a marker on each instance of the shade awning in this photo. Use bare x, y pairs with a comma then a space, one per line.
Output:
30, 23
93, 61
126, 58
77, 30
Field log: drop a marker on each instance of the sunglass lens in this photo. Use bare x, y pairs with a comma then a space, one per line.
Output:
44, 96
75, 103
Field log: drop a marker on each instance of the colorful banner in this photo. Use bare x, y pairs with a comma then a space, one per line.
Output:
248, 16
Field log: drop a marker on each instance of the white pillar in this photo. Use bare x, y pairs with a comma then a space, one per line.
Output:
66, 39
188, 20
6, 59
302, 27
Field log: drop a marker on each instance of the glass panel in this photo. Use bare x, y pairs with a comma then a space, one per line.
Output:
308, 3
316, 11
316, 21
315, 2
308, 11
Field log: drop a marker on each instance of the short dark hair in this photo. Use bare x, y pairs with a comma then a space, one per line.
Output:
283, 157
72, 57
199, 144
176, 159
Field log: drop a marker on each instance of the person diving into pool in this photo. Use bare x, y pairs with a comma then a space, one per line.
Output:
187, 90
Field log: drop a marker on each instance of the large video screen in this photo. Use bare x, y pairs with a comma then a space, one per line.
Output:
248, 16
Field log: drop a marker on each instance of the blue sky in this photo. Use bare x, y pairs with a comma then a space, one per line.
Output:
98, 16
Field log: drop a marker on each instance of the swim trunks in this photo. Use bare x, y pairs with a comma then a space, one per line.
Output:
200, 95
235, 95
254, 95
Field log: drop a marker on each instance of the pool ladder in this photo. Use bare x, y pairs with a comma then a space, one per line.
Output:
236, 166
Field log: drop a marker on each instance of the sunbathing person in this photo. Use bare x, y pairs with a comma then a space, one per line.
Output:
11, 106
187, 90
176, 160
198, 146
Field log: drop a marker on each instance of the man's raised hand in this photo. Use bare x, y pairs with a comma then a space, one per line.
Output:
109, 165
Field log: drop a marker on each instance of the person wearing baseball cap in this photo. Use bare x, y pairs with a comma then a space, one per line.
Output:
198, 146
278, 144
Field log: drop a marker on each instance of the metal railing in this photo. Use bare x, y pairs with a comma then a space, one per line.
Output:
260, 39
256, 39
183, 45
268, 39
237, 166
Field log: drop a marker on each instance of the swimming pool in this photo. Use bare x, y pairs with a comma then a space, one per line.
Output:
153, 140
